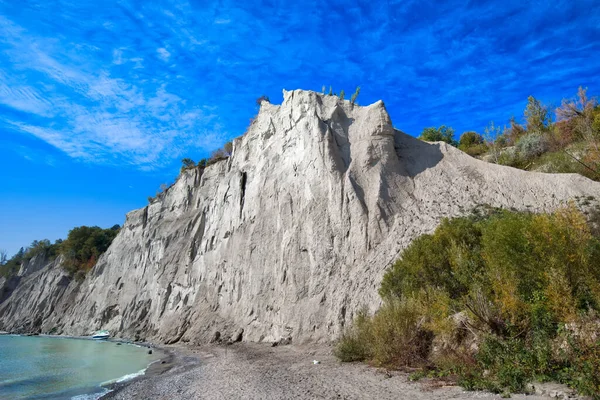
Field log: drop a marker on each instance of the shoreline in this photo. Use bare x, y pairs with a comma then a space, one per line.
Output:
165, 363
258, 370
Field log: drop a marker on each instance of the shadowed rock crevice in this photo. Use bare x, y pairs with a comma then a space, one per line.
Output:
243, 181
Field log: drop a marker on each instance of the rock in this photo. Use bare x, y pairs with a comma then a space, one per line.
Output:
283, 341
216, 337
286, 341
238, 335
288, 237
150, 351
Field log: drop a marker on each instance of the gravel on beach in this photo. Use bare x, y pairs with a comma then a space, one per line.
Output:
259, 371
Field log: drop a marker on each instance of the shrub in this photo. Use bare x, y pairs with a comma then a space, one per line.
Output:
509, 156
355, 95
472, 143
393, 336
355, 343
261, 99
501, 292
470, 138
531, 145
442, 134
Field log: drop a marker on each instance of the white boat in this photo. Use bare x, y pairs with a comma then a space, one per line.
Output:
101, 335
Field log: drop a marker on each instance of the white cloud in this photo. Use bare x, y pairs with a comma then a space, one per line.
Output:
88, 114
117, 56
163, 53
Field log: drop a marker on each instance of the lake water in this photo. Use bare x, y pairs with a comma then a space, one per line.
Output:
38, 367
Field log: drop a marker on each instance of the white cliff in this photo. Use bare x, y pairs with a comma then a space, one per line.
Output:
289, 237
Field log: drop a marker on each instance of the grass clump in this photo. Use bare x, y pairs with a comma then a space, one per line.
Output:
497, 300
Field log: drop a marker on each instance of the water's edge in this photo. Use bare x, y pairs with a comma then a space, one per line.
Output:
160, 365
167, 362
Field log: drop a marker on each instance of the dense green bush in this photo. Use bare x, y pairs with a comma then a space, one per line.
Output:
504, 292
83, 247
442, 134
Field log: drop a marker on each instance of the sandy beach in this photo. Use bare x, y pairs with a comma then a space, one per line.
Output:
259, 371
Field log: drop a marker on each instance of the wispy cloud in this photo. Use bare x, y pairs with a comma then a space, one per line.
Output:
86, 112
163, 53
142, 84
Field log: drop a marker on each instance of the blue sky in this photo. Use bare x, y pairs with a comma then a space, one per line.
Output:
99, 100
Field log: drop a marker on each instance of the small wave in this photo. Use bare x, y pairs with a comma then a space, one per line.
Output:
91, 396
124, 378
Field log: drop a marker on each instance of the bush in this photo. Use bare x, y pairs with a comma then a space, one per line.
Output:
442, 134
187, 163
509, 156
531, 145
393, 336
470, 138
496, 292
261, 99
355, 344
357, 92
472, 143
84, 246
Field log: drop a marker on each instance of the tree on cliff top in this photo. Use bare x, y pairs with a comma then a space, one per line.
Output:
83, 247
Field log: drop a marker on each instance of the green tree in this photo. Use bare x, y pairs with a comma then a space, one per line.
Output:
494, 140
355, 95
37, 247
442, 134
342, 94
228, 147
187, 163
330, 91
84, 245
537, 116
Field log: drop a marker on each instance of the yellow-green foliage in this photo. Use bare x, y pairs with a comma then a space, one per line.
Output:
472, 143
519, 279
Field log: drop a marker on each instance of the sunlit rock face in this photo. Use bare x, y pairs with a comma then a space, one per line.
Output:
289, 237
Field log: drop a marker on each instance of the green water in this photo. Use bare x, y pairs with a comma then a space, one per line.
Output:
39, 367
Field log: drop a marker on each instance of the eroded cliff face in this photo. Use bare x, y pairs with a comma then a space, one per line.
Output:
289, 237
